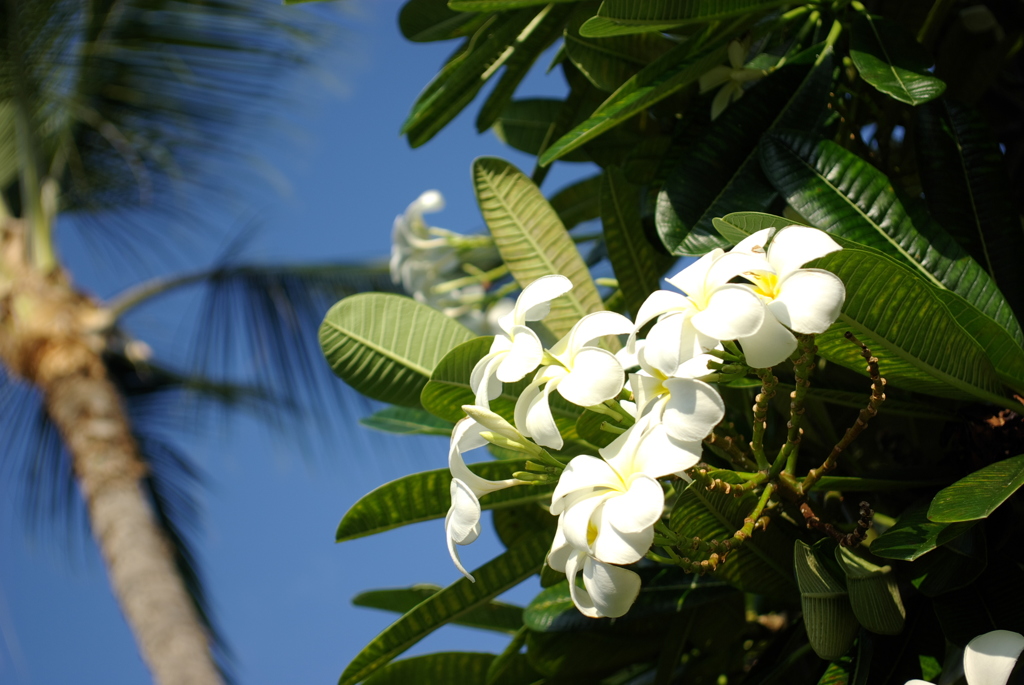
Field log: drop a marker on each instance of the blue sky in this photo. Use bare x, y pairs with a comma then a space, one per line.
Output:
279, 584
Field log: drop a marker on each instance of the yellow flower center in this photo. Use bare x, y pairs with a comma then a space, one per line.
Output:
591, 532
766, 284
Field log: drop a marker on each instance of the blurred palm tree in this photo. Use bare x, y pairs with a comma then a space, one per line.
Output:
109, 110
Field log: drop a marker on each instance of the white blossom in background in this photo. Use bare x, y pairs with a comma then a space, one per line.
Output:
717, 309
516, 350
583, 374
462, 524
420, 260
731, 78
989, 658
796, 299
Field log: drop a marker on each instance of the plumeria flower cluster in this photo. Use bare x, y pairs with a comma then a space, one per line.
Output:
430, 263
609, 504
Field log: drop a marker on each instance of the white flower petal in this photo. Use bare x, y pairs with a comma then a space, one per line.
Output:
696, 367
989, 659
581, 473
580, 597
462, 524
591, 327
736, 54
735, 264
524, 356
596, 376
692, 409
794, 246
578, 519
540, 424
722, 99
691, 280
613, 546
645, 389
659, 455
809, 300
771, 345
560, 550
610, 589
465, 437
490, 421
633, 511
483, 381
620, 452
657, 303
429, 202
733, 311
754, 243
534, 302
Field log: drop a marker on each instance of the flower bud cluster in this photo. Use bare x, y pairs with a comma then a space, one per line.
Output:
608, 504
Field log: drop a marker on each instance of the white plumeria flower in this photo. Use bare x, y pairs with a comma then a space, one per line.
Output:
731, 78
583, 374
608, 591
462, 524
517, 350
989, 659
801, 300
418, 260
717, 309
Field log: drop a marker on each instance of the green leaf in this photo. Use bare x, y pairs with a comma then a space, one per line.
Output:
512, 667
532, 240
464, 75
579, 202
901, 318
955, 565
848, 197
874, 594
763, 565
914, 535
521, 561
661, 13
638, 266
465, 668
498, 5
527, 125
828, 616
967, 189
386, 346
979, 494
497, 616
407, 421
534, 39
720, 171
888, 57
425, 496
589, 427
673, 71
602, 27
609, 62
448, 389
430, 20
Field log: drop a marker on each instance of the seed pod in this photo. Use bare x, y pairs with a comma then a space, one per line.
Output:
829, 618
874, 595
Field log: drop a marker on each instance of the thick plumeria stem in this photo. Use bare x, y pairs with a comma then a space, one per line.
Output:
876, 399
768, 383
803, 362
729, 444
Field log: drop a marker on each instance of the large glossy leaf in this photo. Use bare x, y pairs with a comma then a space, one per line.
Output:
720, 171
763, 565
497, 616
498, 5
609, 62
906, 322
464, 75
534, 39
967, 189
407, 421
425, 496
522, 560
528, 125
675, 70
448, 389
386, 346
676, 12
465, 668
845, 195
637, 264
532, 240
430, 20
979, 494
914, 535
887, 56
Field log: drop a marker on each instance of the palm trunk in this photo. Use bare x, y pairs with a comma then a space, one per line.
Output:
45, 339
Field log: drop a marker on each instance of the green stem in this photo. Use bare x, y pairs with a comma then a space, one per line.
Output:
802, 365
768, 383
926, 36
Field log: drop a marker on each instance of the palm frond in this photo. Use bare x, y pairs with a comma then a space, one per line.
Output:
131, 100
